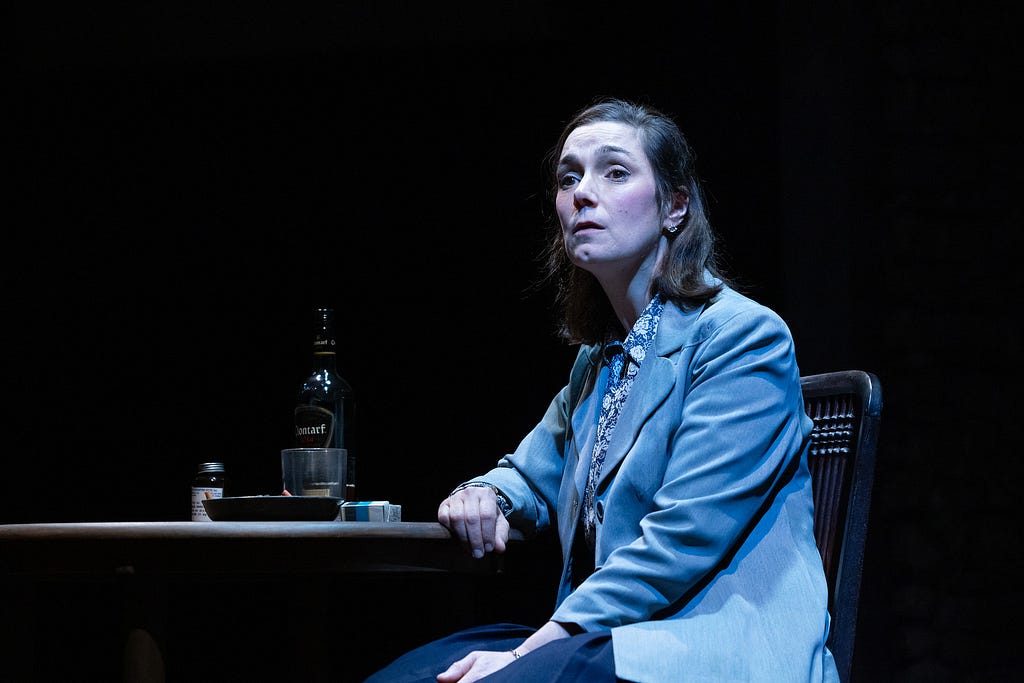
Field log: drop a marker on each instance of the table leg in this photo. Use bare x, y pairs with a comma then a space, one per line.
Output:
315, 606
17, 628
144, 609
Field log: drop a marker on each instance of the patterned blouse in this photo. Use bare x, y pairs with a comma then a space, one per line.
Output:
623, 359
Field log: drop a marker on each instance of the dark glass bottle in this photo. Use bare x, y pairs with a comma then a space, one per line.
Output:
324, 412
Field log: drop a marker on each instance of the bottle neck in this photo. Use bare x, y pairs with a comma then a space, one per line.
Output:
324, 341
325, 360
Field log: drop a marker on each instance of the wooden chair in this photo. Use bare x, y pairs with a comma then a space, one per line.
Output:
846, 408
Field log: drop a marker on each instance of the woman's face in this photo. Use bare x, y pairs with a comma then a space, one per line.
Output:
606, 201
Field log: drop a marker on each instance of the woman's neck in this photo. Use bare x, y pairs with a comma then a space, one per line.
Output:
629, 302
629, 293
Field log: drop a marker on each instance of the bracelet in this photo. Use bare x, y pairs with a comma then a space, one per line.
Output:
515, 655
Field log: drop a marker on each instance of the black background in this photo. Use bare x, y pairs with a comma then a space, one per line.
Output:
189, 182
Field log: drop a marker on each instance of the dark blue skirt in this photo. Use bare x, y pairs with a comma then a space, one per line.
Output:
586, 658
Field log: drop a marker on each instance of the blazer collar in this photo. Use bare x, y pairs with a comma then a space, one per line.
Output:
655, 379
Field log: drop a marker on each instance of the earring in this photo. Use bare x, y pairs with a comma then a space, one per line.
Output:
672, 230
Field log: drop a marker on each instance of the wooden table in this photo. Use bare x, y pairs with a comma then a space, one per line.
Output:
230, 547
143, 556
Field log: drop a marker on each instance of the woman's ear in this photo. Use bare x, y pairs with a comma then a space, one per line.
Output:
678, 209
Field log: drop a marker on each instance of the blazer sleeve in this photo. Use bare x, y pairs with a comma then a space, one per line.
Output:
733, 443
531, 475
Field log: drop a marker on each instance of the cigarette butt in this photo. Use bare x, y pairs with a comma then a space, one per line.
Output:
208, 495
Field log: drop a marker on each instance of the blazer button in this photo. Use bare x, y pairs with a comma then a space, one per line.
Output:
599, 508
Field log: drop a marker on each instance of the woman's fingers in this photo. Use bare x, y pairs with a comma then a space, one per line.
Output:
458, 669
473, 522
501, 529
472, 515
475, 666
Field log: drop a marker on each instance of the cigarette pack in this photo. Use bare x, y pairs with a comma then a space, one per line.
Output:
371, 511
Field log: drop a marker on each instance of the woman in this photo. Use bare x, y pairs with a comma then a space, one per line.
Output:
673, 464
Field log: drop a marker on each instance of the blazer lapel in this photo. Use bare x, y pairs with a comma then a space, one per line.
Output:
651, 385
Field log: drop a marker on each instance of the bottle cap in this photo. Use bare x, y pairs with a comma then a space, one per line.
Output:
211, 467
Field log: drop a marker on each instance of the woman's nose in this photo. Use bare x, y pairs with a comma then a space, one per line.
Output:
583, 195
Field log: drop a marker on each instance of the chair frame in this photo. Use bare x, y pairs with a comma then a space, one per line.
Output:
846, 409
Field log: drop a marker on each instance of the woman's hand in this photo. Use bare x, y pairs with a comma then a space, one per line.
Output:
472, 515
480, 663
475, 666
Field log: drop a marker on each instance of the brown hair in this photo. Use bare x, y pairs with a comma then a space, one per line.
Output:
586, 315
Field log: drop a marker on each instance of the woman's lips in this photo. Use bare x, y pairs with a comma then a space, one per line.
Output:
585, 225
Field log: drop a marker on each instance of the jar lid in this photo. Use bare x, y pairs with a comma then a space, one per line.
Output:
211, 467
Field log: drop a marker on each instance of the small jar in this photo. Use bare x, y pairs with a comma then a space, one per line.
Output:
209, 482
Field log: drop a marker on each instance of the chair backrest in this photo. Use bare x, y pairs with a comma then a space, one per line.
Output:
846, 409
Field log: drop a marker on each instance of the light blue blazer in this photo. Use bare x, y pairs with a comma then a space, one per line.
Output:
707, 569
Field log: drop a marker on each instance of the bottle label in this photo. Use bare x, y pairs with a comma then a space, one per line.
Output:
199, 494
314, 427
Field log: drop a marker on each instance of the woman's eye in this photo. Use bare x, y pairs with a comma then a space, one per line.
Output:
568, 180
617, 173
